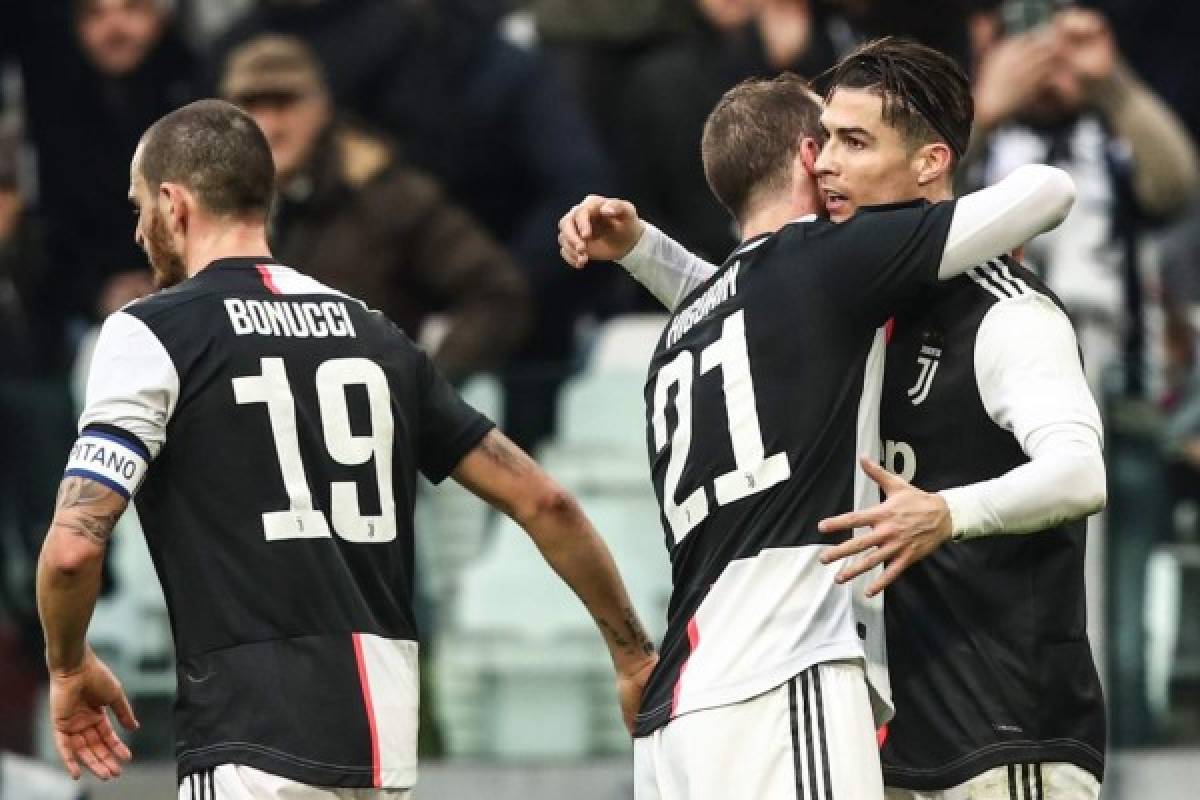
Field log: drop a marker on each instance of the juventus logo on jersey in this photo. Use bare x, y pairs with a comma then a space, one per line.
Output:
927, 364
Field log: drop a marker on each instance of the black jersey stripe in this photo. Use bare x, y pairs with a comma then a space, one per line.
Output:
1025, 770
1037, 780
976, 274
809, 733
1012, 782
995, 270
993, 278
797, 760
990, 278
1019, 283
816, 670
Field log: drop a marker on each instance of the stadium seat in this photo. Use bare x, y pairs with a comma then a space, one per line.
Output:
517, 665
626, 343
1172, 649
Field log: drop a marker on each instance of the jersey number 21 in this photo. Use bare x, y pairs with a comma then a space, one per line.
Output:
754, 471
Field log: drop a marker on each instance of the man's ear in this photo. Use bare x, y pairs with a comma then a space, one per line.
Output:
173, 204
810, 150
933, 162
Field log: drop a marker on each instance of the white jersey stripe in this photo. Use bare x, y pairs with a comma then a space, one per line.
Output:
285, 280
390, 666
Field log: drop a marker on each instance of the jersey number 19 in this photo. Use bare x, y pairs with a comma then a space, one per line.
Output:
301, 520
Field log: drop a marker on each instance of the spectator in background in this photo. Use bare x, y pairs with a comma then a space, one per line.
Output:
349, 215
940, 24
493, 123
34, 421
29, 320
1061, 94
675, 87
96, 73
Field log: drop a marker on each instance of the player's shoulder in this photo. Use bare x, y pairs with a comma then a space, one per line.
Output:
875, 216
1004, 280
162, 301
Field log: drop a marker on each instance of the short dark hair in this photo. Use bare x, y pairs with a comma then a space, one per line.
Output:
752, 135
217, 151
926, 95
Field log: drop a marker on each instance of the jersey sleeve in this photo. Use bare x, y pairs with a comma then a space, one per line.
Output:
887, 255
666, 268
131, 394
1028, 369
450, 427
1031, 382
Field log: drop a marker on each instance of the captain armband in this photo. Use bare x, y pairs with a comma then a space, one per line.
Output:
115, 459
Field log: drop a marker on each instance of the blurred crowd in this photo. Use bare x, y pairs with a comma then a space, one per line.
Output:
425, 150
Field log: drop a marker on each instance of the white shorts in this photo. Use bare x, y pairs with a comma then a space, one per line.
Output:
1016, 781
238, 782
811, 738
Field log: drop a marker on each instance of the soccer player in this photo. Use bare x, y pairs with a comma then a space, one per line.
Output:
763, 389
271, 429
995, 690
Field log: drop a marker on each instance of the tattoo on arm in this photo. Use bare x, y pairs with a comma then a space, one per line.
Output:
88, 509
630, 636
504, 454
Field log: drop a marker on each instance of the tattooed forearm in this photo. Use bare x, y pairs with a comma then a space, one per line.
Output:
628, 634
88, 508
634, 626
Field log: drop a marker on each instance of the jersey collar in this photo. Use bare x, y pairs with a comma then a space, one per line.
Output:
240, 262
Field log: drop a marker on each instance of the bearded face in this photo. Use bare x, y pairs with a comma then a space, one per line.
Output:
165, 260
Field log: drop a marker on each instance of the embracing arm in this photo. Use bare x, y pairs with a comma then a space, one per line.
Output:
665, 267
609, 229
503, 475
1033, 199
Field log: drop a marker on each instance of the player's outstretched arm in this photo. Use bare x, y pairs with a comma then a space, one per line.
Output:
608, 229
1033, 199
502, 474
82, 688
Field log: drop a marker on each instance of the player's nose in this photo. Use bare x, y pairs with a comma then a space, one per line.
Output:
826, 163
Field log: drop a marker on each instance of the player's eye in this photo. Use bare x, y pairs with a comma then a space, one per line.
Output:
855, 144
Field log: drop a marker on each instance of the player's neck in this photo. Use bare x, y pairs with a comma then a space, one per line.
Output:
238, 239
939, 192
770, 218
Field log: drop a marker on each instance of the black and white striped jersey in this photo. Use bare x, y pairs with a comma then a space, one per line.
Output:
280, 426
987, 643
761, 394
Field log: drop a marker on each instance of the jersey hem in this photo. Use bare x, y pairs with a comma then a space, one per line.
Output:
759, 683
1069, 751
292, 768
